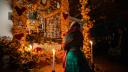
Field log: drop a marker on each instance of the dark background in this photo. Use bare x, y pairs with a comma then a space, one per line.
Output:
110, 30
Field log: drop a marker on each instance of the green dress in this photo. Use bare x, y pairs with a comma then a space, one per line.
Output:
75, 58
76, 62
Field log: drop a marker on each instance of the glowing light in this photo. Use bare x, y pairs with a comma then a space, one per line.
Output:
91, 51
53, 65
30, 46
91, 42
53, 51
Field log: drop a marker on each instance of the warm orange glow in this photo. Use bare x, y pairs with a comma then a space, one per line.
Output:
64, 8
53, 51
28, 48
84, 13
91, 42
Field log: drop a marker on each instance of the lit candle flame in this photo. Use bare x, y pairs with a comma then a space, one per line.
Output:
53, 50
91, 51
53, 65
30, 46
91, 42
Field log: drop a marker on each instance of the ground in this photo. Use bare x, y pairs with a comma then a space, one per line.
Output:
48, 68
103, 64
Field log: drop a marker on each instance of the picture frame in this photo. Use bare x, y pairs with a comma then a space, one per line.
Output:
44, 2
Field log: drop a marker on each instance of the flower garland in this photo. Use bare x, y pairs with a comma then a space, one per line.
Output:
22, 56
85, 9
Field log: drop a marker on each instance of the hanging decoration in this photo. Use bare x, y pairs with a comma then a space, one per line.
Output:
58, 5
33, 15
65, 15
44, 2
53, 27
20, 10
49, 10
40, 23
31, 1
19, 1
55, 4
85, 9
50, 6
19, 36
29, 38
20, 24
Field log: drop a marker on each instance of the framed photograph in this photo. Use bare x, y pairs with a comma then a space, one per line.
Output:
53, 27
44, 2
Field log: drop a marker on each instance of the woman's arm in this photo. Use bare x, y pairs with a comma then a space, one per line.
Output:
67, 40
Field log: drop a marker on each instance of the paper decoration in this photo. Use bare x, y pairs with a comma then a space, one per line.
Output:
20, 10
19, 1
49, 10
55, 4
44, 2
20, 23
19, 36
58, 5
43, 23
65, 15
33, 15
31, 1
53, 27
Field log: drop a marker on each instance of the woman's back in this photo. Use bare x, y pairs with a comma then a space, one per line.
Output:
75, 59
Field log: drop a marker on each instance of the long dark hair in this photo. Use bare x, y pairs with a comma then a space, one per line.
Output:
76, 36
75, 27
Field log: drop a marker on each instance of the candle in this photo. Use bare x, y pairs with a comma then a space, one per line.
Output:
92, 55
91, 51
53, 65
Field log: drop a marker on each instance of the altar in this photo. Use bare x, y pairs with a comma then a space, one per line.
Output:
39, 27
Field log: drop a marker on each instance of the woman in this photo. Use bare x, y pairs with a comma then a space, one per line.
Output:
73, 43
